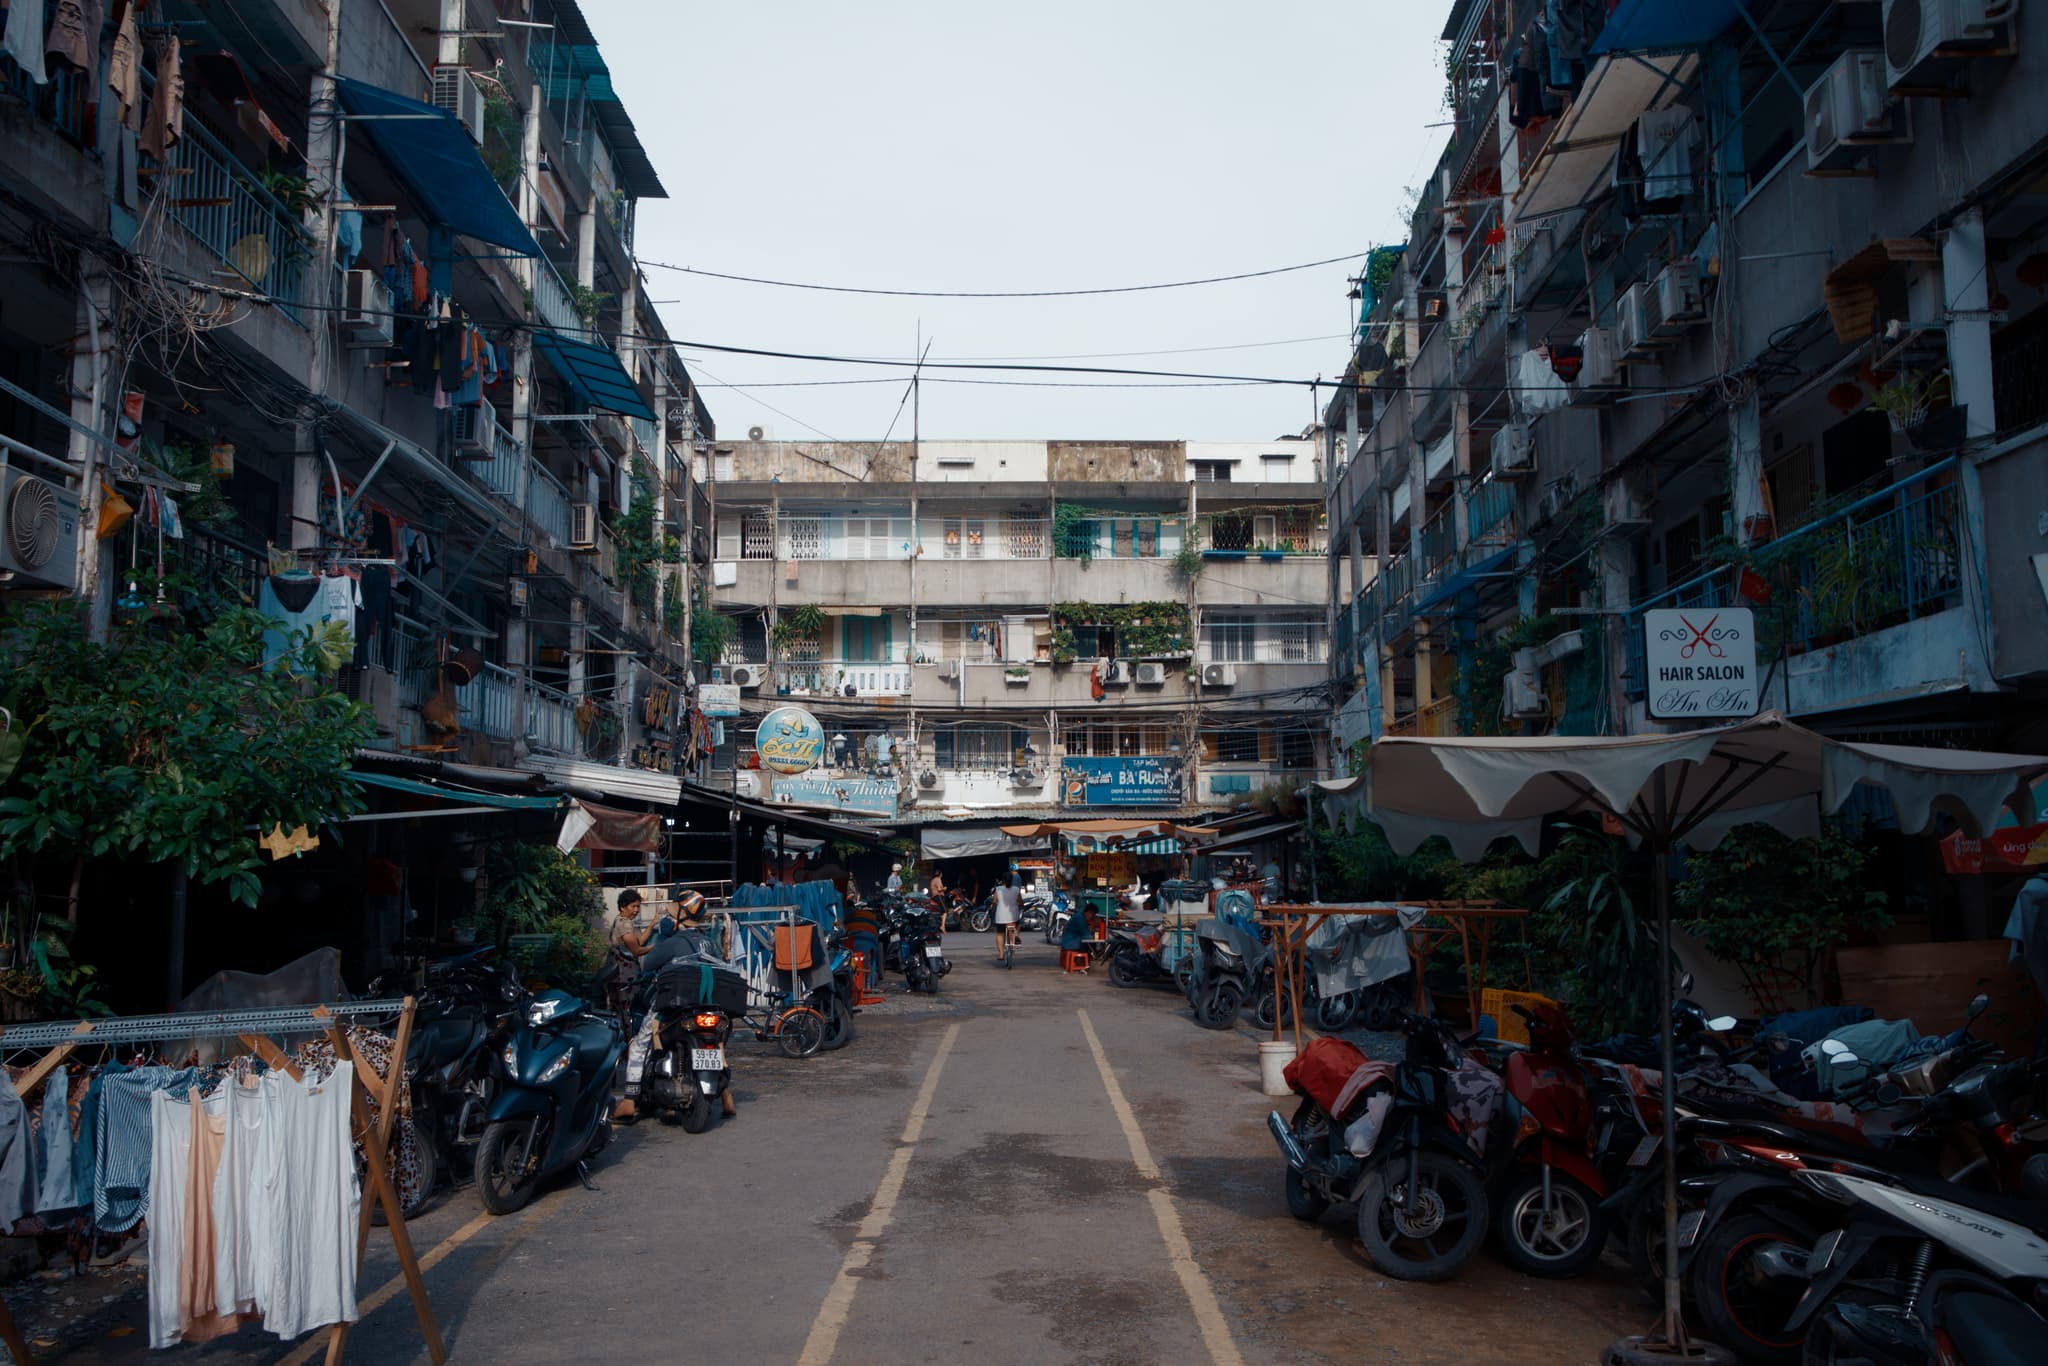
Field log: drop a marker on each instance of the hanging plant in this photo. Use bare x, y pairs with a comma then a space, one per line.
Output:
1073, 535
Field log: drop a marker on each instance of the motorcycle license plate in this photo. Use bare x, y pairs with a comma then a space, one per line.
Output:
1645, 1150
931, 951
1689, 1227
707, 1059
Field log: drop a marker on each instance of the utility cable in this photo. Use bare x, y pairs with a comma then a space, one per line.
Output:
1004, 293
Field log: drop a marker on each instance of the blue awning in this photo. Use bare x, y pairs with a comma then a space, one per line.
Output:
504, 801
1665, 25
595, 374
430, 151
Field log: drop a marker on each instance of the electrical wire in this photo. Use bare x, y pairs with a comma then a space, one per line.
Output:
1004, 293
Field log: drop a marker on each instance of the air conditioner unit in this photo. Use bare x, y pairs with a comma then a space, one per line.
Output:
1113, 672
582, 526
745, 675
1924, 40
1847, 110
1151, 675
1622, 508
457, 92
1600, 369
928, 779
1522, 695
1511, 458
375, 689
476, 429
1678, 300
38, 532
949, 669
1634, 317
1219, 675
366, 309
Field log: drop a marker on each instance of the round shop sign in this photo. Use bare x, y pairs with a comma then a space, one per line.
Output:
790, 741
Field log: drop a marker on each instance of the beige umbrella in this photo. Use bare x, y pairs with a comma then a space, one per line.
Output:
1685, 787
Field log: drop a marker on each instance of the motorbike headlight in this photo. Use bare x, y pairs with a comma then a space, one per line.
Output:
557, 1067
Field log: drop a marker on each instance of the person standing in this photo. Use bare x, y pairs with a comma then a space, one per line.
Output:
894, 885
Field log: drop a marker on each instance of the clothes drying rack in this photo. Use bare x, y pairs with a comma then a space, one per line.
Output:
57, 1040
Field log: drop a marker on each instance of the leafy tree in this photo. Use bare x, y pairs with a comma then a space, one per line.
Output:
170, 747
531, 884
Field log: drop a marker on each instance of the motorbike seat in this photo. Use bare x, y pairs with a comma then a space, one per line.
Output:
1991, 1330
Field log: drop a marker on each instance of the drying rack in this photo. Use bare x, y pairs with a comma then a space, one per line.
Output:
58, 1039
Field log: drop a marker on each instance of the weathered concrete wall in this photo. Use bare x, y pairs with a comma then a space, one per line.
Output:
819, 462
1923, 658
2015, 488
1117, 462
1249, 462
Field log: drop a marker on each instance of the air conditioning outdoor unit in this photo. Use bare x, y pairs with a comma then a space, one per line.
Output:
376, 689
745, 675
1847, 110
38, 531
1622, 509
1219, 675
582, 526
366, 310
1511, 451
1679, 305
1522, 695
928, 779
476, 429
1634, 317
949, 669
1113, 672
1151, 675
457, 92
1600, 368
1925, 39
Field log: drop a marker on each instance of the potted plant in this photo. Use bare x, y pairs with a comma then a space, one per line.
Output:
1062, 646
1918, 405
1270, 552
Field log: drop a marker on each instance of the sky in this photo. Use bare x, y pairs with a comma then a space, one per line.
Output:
968, 146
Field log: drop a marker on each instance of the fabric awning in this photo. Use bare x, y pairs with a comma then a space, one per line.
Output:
430, 151
595, 373
1125, 830
607, 827
790, 818
503, 800
943, 841
1650, 25
1571, 170
1258, 834
636, 784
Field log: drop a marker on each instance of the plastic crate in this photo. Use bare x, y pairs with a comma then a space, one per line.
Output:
1498, 1021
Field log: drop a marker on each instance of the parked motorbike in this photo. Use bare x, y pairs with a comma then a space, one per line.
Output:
835, 999
1549, 1211
1921, 1273
694, 1004
1228, 958
551, 1099
1137, 954
1420, 1190
917, 950
464, 1011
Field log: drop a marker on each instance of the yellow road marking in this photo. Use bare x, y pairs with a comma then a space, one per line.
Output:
832, 1314
1193, 1283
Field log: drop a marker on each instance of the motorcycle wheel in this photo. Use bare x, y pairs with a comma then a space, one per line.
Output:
602, 1139
1336, 1012
838, 1019
1564, 1242
799, 1032
1438, 1233
1821, 1348
1738, 1309
981, 918
697, 1114
1381, 1008
1219, 1006
1184, 978
1123, 968
502, 1189
1266, 1005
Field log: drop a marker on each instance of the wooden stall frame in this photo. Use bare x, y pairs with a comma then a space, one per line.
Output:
1467, 921
252, 1028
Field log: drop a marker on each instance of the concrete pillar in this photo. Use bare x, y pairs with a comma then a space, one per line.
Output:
586, 248
1462, 467
308, 471
629, 310
1614, 585
92, 380
1358, 579
1967, 284
1746, 469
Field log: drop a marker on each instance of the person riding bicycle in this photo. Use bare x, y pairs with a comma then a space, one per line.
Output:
1009, 906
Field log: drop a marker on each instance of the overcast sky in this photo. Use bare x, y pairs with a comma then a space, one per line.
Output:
950, 145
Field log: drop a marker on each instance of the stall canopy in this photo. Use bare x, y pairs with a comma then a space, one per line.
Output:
1652, 25
590, 826
467, 798
430, 151
1125, 831
942, 841
1245, 839
1689, 787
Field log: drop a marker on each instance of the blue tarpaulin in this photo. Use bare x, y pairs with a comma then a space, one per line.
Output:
595, 373
430, 151
1665, 25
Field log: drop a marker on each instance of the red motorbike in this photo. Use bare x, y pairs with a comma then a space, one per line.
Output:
1547, 1207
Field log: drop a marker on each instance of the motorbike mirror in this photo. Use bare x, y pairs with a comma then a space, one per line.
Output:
1845, 1058
1979, 1004
1721, 1024
1686, 982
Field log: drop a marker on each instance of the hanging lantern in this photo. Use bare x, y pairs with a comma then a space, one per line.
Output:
1845, 397
1567, 361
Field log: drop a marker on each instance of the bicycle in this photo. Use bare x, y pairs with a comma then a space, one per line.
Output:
797, 1030
1006, 954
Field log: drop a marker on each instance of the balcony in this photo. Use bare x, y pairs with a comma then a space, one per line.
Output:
1490, 518
62, 103
1395, 590
226, 209
1893, 557
547, 501
1438, 720
832, 678
553, 302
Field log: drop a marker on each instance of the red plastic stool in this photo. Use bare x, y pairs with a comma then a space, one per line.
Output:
1073, 961
862, 996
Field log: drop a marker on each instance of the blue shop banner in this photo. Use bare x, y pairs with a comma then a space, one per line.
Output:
837, 792
1121, 782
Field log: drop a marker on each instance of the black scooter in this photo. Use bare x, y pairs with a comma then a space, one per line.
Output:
694, 1003
917, 949
551, 1100
466, 1009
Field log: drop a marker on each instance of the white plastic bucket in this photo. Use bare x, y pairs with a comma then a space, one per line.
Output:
1273, 1060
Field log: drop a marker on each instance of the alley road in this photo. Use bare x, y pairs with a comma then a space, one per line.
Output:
1037, 1169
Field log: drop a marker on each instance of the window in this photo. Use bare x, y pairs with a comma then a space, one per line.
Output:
864, 640
1297, 749
1210, 471
1230, 532
1102, 742
1239, 746
877, 538
1276, 469
757, 536
992, 748
1148, 539
1025, 537
1229, 640
1089, 642
806, 538
1080, 540
952, 538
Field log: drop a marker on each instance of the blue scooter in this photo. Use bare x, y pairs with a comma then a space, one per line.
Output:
551, 1098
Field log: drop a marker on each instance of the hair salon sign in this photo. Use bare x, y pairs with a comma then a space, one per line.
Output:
1700, 663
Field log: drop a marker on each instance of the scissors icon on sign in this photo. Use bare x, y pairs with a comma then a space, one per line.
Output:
1699, 639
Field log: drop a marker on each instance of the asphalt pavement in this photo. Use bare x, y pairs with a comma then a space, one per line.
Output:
1031, 1167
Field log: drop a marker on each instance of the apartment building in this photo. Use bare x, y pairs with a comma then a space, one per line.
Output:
371, 273
995, 628
1707, 306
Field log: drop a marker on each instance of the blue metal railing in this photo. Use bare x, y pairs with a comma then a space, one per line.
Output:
216, 199
1489, 513
1396, 591
1894, 555
552, 300
547, 502
60, 102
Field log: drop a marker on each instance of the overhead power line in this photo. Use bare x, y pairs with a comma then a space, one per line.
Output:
1005, 293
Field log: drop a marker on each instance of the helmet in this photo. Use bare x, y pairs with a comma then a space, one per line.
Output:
689, 905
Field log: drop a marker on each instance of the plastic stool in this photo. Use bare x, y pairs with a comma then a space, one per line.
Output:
862, 996
1073, 961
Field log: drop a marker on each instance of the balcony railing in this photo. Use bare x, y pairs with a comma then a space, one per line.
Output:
1439, 541
216, 199
547, 503
552, 299
1408, 725
1439, 719
1305, 644
61, 102
1891, 557
1490, 515
1396, 588
832, 678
